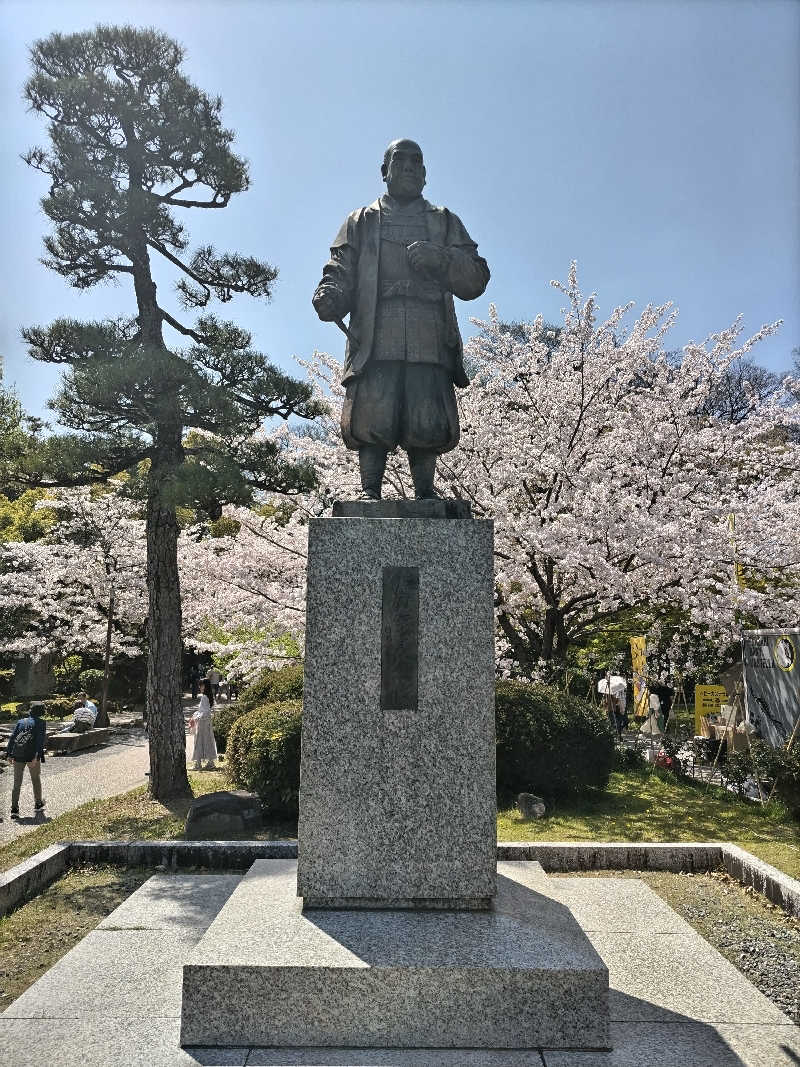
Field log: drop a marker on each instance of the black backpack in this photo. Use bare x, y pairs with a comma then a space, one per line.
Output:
24, 748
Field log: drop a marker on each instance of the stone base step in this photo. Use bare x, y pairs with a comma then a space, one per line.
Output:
521, 975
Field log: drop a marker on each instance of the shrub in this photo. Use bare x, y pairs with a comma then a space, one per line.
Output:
782, 768
57, 707
6, 683
91, 680
264, 754
225, 715
67, 674
628, 759
271, 687
549, 743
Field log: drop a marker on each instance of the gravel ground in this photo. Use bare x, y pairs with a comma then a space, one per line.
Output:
756, 936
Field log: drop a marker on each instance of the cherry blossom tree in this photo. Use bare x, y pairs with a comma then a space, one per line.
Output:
610, 483
82, 587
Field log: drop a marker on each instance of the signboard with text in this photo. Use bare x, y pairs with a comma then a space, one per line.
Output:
772, 682
708, 699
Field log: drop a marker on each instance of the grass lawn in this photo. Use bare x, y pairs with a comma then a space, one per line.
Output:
35, 936
129, 816
637, 806
643, 806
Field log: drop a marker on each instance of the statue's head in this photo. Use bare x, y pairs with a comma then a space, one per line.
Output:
403, 169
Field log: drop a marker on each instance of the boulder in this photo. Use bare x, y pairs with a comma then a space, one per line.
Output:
530, 806
217, 816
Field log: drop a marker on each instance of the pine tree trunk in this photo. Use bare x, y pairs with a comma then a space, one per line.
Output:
168, 776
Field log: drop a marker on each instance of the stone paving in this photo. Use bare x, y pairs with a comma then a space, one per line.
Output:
76, 778
116, 997
73, 779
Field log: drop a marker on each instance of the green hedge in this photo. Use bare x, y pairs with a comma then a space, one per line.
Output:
271, 687
264, 754
549, 743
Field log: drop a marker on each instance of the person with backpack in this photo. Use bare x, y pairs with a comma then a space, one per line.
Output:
26, 748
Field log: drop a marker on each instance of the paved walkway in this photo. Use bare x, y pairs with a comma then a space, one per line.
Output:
674, 1001
76, 778
71, 780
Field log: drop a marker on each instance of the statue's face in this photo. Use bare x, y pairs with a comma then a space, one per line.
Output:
405, 173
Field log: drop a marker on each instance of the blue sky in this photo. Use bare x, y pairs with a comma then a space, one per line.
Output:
658, 144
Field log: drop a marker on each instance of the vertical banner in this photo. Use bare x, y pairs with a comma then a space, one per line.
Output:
772, 682
708, 699
639, 664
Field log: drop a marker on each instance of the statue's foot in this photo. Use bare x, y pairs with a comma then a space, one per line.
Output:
369, 494
428, 494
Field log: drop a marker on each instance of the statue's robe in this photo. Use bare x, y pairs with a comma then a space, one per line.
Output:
404, 353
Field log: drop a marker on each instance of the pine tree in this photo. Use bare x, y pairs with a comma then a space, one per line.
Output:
131, 142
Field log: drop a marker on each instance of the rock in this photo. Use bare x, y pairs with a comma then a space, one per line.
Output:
220, 815
530, 806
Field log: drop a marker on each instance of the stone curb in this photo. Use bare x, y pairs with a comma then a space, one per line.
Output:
174, 854
34, 874
776, 886
560, 856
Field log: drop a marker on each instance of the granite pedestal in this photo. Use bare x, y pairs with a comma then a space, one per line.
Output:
393, 927
520, 975
397, 785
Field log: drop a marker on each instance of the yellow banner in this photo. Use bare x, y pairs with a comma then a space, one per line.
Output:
639, 664
707, 701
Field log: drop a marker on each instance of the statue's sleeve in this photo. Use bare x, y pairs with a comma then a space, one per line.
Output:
340, 272
467, 272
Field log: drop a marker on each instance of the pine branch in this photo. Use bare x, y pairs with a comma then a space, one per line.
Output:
180, 328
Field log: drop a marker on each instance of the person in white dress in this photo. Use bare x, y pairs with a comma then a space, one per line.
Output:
205, 747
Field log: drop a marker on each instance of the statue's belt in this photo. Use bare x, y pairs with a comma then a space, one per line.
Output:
410, 289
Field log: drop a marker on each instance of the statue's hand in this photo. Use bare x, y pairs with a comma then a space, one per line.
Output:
326, 304
428, 257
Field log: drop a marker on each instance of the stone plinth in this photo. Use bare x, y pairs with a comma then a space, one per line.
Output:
397, 789
520, 975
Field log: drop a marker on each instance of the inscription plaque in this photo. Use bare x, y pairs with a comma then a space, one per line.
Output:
400, 638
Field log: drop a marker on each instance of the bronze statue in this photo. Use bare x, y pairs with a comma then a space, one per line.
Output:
395, 266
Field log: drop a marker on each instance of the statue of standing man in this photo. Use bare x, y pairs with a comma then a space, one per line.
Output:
394, 268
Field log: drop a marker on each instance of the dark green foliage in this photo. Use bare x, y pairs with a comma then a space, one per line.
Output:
549, 743
59, 707
67, 675
783, 768
224, 717
264, 754
273, 686
270, 687
91, 680
672, 742
627, 759
127, 682
133, 142
6, 684
738, 768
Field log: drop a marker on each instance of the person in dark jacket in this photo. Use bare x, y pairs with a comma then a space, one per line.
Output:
26, 748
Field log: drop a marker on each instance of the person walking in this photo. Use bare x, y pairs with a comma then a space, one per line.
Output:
194, 680
214, 677
26, 749
205, 747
